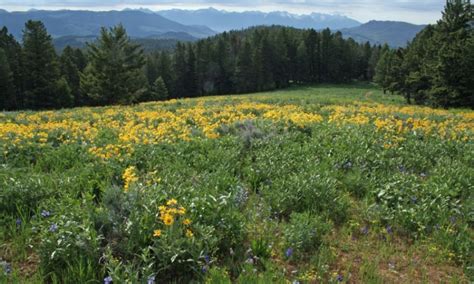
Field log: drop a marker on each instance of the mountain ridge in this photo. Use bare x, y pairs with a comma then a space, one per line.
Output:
84, 23
394, 33
221, 20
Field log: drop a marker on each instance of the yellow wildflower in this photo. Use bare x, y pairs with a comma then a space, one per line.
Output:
157, 233
189, 233
186, 222
168, 220
129, 177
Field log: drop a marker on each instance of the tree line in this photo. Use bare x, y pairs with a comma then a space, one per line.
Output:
114, 70
437, 67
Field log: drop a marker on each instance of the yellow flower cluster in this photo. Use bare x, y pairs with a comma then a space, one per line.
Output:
114, 132
172, 212
396, 120
129, 176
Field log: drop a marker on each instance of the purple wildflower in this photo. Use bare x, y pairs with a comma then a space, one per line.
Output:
108, 280
389, 230
18, 222
45, 213
53, 227
289, 252
452, 219
7, 267
339, 278
207, 259
347, 165
151, 280
204, 269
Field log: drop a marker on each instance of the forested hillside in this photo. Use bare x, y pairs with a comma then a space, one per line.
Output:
114, 70
437, 67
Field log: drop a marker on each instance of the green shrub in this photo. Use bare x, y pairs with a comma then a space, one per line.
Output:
304, 234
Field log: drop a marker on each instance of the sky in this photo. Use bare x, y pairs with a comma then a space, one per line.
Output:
418, 12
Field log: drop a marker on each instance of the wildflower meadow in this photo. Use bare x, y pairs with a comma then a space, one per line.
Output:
309, 185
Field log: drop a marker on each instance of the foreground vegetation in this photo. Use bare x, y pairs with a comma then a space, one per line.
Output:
327, 184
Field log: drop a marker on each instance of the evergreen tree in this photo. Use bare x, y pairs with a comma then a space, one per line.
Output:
303, 65
244, 72
190, 76
312, 48
453, 79
383, 68
114, 74
44, 86
70, 71
7, 94
180, 71
14, 57
159, 90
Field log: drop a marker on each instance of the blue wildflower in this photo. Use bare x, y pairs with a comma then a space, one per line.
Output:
7, 267
207, 259
151, 280
389, 230
53, 227
347, 165
204, 269
402, 169
18, 222
108, 280
289, 252
452, 220
45, 213
339, 278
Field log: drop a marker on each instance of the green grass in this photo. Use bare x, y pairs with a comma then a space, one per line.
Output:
268, 200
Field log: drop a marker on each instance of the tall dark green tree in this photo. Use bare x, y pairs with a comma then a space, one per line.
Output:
7, 93
70, 66
44, 85
436, 67
115, 72
158, 90
191, 87
244, 71
14, 57
180, 71
453, 78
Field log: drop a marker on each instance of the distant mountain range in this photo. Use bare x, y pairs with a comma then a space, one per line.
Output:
220, 20
395, 34
76, 27
87, 23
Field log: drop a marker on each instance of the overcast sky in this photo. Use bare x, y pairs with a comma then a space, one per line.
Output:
420, 11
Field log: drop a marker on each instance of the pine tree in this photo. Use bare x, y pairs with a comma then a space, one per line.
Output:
190, 76
44, 86
114, 74
7, 94
383, 67
244, 72
70, 71
159, 90
453, 79
312, 48
180, 70
303, 65
13, 53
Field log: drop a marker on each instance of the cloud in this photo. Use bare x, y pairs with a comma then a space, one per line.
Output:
420, 11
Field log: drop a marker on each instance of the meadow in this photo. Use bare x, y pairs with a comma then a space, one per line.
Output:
324, 184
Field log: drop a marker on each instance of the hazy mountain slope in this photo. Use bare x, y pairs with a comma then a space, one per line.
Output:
395, 34
85, 23
219, 20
